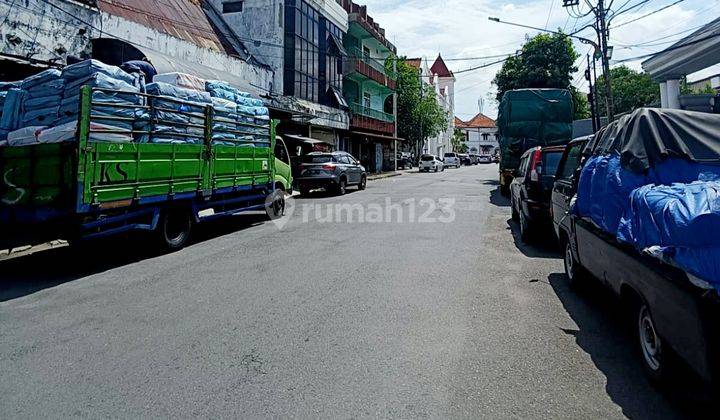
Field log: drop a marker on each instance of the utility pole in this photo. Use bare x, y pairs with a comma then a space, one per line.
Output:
597, 105
601, 47
591, 96
603, 37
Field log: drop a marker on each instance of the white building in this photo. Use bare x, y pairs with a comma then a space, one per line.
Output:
480, 134
441, 80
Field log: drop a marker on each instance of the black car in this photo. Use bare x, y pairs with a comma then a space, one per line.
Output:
565, 182
333, 171
531, 189
404, 160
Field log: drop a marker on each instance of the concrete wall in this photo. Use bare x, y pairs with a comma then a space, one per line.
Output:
46, 33
264, 21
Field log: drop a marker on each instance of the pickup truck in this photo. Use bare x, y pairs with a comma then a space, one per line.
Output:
89, 188
673, 318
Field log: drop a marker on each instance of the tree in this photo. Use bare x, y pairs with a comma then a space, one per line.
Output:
458, 142
419, 114
631, 90
545, 61
581, 103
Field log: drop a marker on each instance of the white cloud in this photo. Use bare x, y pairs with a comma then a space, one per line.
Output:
461, 29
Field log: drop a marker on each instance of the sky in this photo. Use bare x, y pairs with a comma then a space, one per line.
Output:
460, 29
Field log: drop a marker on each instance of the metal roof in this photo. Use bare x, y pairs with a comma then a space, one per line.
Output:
184, 19
697, 51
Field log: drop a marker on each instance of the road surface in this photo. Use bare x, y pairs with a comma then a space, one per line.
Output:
448, 317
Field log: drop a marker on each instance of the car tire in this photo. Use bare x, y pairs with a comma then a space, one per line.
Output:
436, 169
574, 272
363, 183
515, 215
173, 229
341, 187
655, 354
443, 169
525, 230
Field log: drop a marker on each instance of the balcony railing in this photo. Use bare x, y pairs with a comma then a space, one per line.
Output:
372, 62
371, 113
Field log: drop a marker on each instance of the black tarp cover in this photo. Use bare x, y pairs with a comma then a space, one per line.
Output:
649, 135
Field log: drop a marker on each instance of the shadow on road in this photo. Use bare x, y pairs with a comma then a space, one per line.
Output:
544, 244
497, 199
603, 333
29, 274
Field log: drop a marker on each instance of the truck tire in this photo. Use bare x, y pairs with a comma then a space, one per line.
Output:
275, 205
573, 270
655, 354
174, 228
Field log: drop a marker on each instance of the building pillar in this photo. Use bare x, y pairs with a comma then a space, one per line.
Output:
663, 95
673, 93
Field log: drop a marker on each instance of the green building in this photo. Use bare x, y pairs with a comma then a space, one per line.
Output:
369, 89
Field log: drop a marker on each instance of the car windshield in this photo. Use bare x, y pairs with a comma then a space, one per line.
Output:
317, 158
550, 161
426, 158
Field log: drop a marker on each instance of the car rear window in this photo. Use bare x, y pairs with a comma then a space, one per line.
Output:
449, 154
317, 159
550, 161
426, 158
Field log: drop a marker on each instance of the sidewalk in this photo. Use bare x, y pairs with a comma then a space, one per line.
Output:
389, 174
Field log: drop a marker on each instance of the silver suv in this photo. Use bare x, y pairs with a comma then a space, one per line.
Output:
452, 159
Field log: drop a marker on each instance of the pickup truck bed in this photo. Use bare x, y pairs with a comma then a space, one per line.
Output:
686, 316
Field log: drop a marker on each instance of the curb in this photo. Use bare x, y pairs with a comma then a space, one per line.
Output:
382, 176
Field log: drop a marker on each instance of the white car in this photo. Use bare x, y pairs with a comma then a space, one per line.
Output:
430, 163
484, 159
452, 159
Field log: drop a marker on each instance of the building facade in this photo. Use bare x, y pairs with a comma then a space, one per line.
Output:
440, 80
302, 41
369, 87
480, 134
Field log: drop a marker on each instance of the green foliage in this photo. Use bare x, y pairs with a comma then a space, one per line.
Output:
685, 89
419, 114
630, 90
581, 104
546, 61
458, 142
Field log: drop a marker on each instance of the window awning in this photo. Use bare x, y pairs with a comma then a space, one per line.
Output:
338, 45
339, 97
307, 140
377, 136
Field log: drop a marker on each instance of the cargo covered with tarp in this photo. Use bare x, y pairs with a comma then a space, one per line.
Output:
652, 181
532, 117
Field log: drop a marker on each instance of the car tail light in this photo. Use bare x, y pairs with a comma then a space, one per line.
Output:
536, 166
329, 166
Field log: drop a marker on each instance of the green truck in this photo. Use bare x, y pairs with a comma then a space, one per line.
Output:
91, 187
529, 118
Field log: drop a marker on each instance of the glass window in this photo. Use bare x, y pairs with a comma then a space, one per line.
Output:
571, 163
550, 162
344, 159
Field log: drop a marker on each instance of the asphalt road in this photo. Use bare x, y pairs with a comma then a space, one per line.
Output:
445, 315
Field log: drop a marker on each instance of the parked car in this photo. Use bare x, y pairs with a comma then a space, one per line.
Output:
673, 319
484, 159
496, 158
474, 158
465, 159
452, 159
430, 163
531, 189
404, 160
333, 171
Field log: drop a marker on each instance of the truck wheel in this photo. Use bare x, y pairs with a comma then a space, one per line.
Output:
653, 349
275, 207
363, 183
573, 269
174, 228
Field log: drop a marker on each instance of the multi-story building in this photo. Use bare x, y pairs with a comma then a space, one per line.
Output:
439, 79
38, 34
480, 134
369, 87
302, 41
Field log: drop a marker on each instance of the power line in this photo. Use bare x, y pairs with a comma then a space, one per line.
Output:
673, 48
635, 6
648, 14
